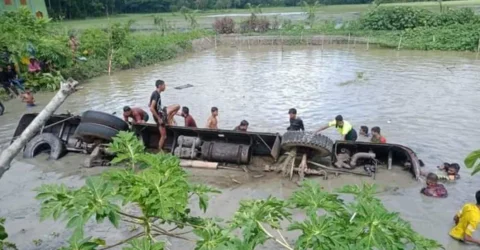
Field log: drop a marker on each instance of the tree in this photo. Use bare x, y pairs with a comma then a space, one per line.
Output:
158, 187
310, 10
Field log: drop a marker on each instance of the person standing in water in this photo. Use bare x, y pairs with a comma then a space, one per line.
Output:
377, 137
296, 124
466, 222
347, 132
28, 98
159, 112
212, 122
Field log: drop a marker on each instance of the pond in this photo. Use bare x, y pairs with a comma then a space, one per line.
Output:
425, 100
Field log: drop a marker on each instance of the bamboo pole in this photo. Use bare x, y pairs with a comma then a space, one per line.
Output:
215, 40
348, 42
399, 43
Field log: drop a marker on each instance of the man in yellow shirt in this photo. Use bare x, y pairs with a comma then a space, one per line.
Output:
347, 132
466, 221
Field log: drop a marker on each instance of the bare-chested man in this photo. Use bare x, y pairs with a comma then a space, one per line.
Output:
212, 122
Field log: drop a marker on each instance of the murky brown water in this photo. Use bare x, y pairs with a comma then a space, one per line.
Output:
426, 100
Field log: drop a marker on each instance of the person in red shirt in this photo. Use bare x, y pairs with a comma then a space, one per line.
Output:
189, 121
376, 136
137, 114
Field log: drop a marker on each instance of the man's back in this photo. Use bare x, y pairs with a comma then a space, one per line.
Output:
468, 219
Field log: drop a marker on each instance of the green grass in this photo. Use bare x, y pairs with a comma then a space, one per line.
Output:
330, 12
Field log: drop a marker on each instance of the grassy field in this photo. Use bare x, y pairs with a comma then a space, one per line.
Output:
206, 18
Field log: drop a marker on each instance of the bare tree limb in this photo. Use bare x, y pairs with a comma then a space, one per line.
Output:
7, 155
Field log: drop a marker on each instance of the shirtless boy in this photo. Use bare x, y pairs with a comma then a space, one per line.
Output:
28, 98
212, 122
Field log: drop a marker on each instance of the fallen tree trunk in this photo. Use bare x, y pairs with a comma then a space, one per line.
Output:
11, 151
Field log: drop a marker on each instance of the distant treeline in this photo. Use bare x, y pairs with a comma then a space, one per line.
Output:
76, 9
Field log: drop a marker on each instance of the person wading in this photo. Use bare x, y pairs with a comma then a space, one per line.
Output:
466, 222
347, 132
296, 124
212, 121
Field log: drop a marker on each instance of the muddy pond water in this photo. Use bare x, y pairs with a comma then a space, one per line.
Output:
429, 101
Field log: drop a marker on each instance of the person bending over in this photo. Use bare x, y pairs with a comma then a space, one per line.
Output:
189, 121
347, 132
137, 114
242, 127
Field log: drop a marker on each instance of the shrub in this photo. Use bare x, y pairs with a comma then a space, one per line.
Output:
225, 25
453, 37
396, 18
401, 18
255, 24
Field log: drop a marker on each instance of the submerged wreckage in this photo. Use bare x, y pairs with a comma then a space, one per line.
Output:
291, 152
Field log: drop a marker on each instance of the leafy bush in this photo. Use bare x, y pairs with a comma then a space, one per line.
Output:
396, 18
4, 244
158, 187
453, 37
225, 25
44, 81
401, 18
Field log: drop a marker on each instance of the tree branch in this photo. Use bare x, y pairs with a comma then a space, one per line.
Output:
171, 235
124, 241
131, 216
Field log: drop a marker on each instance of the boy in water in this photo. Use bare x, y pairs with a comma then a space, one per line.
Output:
296, 124
377, 136
466, 221
242, 127
212, 122
28, 98
433, 188
449, 171
364, 131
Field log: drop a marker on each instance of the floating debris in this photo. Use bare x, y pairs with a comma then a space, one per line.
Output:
184, 86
